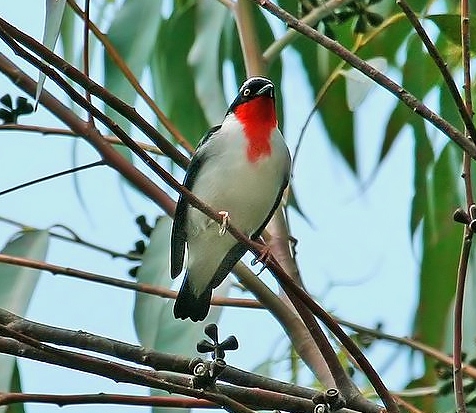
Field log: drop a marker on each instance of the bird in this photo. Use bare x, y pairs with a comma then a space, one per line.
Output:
240, 168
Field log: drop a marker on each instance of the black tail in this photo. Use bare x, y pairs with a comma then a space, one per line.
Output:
189, 305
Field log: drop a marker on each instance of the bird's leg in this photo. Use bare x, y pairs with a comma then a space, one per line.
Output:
224, 223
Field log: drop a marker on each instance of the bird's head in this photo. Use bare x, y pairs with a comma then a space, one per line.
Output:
254, 108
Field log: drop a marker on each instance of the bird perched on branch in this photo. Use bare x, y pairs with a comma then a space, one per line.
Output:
241, 169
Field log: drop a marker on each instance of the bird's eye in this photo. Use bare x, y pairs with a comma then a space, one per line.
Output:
246, 92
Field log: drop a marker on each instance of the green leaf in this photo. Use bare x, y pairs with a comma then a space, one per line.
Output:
15, 388
423, 159
173, 78
204, 57
338, 120
419, 77
450, 26
54, 15
441, 244
358, 85
133, 33
17, 285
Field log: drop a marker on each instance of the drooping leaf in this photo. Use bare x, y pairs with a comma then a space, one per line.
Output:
441, 245
358, 85
133, 33
53, 17
173, 78
422, 161
16, 288
15, 387
419, 77
205, 59
450, 26
337, 118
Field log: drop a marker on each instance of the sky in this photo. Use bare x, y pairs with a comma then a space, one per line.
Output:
356, 251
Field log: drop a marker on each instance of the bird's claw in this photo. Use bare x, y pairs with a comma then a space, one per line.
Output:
224, 222
263, 258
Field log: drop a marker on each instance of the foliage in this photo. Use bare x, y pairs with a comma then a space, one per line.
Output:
188, 55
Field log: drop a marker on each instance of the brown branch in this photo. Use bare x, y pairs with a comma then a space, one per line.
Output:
104, 398
406, 97
115, 282
77, 125
143, 356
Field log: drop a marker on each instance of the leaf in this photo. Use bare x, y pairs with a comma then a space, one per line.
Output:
204, 57
339, 124
450, 26
358, 85
15, 388
172, 77
441, 245
133, 33
419, 77
54, 15
16, 288
423, 159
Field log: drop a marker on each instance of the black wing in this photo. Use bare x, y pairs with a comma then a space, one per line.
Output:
179, 234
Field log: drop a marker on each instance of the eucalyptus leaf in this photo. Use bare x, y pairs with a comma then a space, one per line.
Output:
133, 33
53, 17
15, 388
358, 85
441, 246
172, 77
16, 288
205, 59
450, 26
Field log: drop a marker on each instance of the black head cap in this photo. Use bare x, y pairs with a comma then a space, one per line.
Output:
252, 88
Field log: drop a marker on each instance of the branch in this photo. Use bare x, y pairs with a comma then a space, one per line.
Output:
115, 282
267, 398
406, 97
104, 398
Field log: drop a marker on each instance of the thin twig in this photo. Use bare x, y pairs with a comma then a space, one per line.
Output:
52, 176
86, 54
468, 231
44, 130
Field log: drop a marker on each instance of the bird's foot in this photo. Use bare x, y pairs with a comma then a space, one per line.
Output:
262, 258
224, 223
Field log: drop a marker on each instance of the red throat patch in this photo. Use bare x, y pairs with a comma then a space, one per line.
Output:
258, 117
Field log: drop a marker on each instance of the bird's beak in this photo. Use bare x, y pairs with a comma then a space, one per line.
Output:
267, 90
